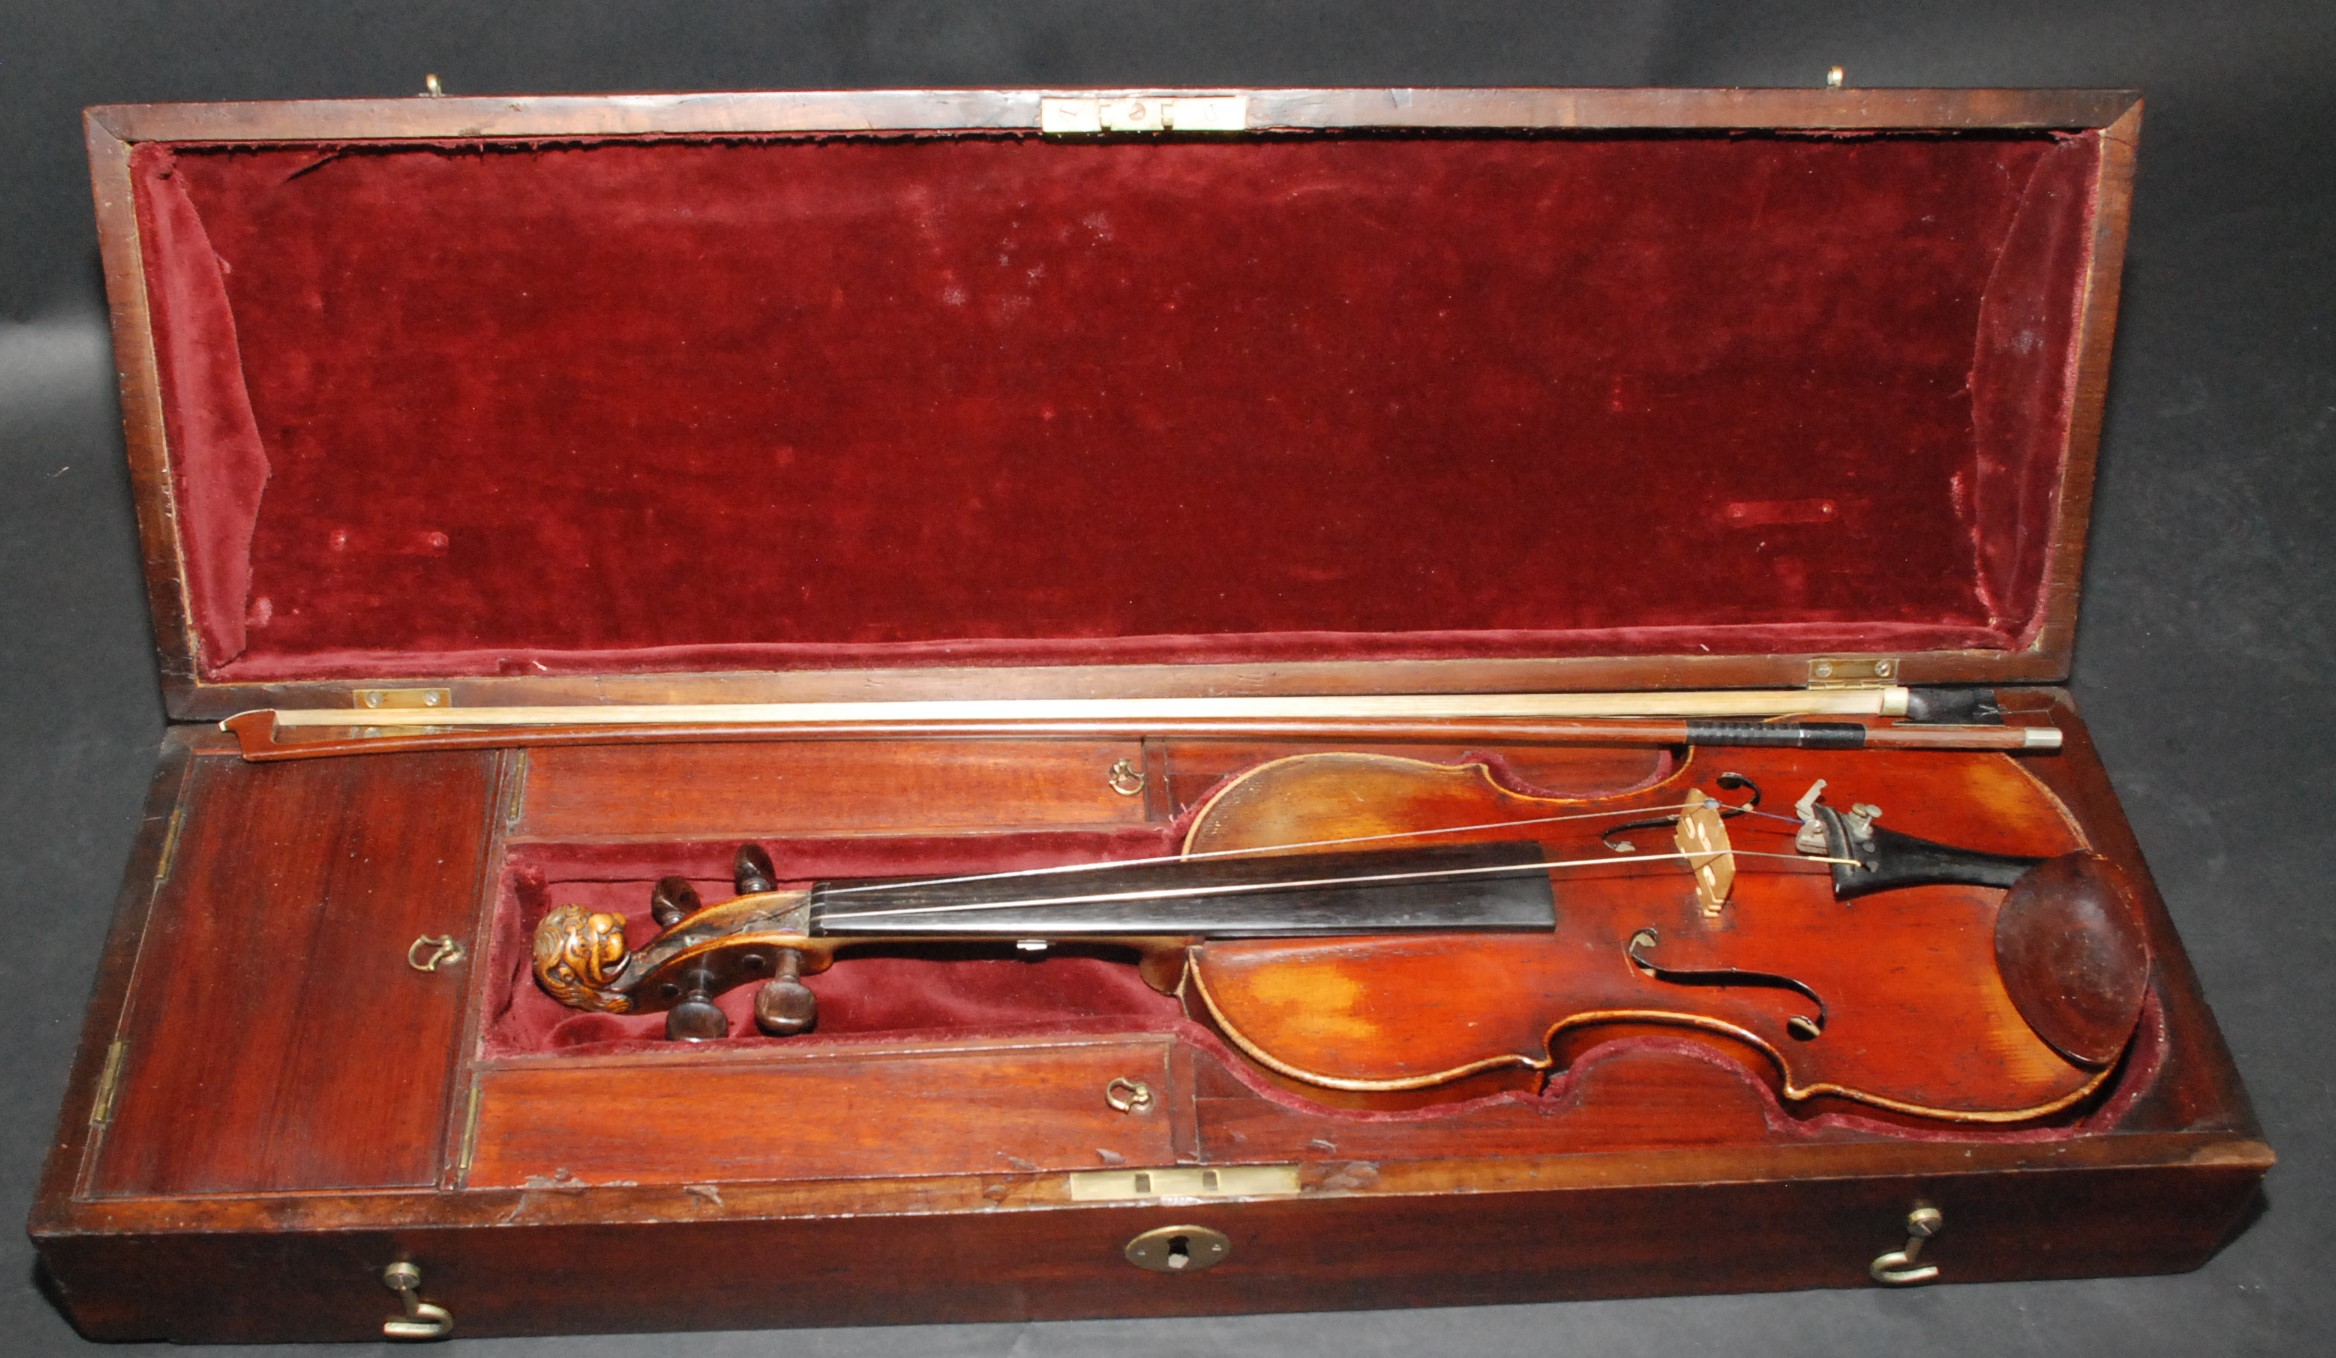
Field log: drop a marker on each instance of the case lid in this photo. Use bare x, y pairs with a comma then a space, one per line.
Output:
752, 397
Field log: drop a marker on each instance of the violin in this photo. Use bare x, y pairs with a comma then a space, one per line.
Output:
1377, 931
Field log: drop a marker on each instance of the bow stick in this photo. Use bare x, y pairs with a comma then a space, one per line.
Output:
1770, 717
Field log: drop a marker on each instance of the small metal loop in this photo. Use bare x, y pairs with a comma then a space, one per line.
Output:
431, 88
1897, 1268
421, 1320
1126, 1095
444, 952
1125, 778
1834, 75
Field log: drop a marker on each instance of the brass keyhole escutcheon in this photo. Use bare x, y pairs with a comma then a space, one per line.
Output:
1179, 1249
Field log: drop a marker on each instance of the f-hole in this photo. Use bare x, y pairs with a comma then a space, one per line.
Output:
1803, 1027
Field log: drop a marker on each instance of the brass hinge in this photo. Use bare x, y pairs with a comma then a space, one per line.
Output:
402, 697
1227, 1181
101, 1108
1143, 113
469, 1146
1853, 671
169, 854
515, 790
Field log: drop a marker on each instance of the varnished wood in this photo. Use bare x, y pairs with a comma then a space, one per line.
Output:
259, 734
1191, 769
1035, 713
876, 111
546, 1261
2096, 332
1036, 1106
217, 702
277, 1037
746, 791
2154, 1187
80, 1124
1370, 1015
140, 379
1852, 1156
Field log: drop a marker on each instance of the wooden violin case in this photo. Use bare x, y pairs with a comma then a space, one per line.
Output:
466, 404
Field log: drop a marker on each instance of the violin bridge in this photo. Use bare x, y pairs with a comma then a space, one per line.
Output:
1703, 837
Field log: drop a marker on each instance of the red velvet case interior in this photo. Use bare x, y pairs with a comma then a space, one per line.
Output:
634, 405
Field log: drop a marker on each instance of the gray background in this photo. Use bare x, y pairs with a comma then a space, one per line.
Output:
2201, 663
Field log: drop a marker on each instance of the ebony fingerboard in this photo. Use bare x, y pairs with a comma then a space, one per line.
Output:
1456, 888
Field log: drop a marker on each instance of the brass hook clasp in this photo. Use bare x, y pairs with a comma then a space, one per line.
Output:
444, 951
1897, 1267
1126, 1095
421, 1320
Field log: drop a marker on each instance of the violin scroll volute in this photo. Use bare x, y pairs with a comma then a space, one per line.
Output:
578, 954
582, 960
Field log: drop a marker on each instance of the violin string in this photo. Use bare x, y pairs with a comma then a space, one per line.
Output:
1246, 888
1265, 851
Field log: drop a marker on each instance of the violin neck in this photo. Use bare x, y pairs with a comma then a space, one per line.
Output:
1462, 888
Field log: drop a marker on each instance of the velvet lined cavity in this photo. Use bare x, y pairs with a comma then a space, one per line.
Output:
635, 406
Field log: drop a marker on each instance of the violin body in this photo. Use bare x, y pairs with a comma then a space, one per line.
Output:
1917, 1013
1922, 1020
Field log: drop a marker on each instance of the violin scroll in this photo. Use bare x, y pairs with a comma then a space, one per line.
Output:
582, 960
578, 954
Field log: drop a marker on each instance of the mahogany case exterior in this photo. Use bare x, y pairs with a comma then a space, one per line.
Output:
274, 1103
248, 1147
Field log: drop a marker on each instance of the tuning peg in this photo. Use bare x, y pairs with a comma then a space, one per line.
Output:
695, 1017
751, 870
672, 901
785, 1006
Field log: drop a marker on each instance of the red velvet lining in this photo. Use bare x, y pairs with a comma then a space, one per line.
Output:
761, 404
873, 997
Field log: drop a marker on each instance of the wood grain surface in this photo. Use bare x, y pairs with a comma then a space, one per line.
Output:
276, 1037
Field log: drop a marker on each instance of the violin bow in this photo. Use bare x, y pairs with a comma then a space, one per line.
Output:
1737, 717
